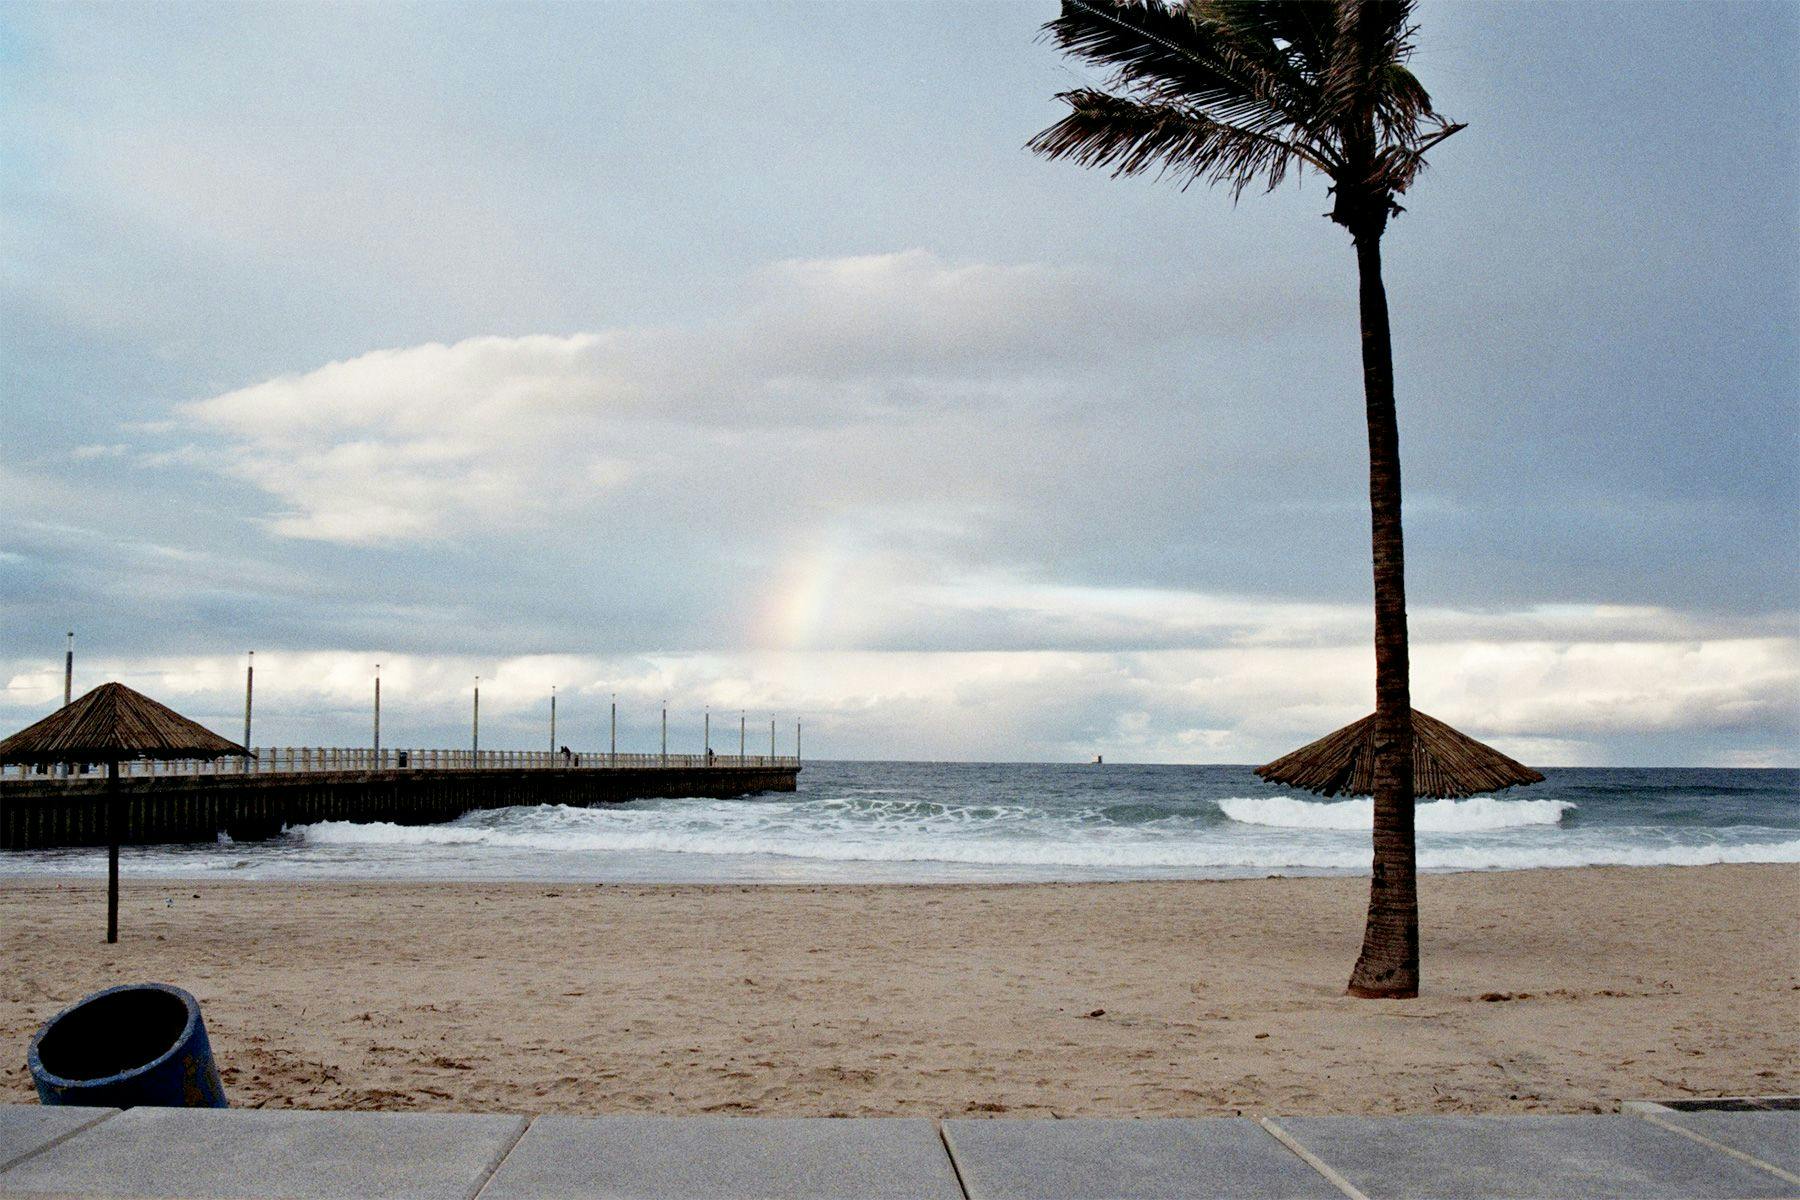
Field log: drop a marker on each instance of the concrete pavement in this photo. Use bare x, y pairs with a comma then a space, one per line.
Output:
1650, 1152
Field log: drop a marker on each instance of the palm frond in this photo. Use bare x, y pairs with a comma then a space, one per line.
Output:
1370, 36
1278, 45
1397, 165
1133, 137
1243, 91
1401, 101
1304, 27
1155, 53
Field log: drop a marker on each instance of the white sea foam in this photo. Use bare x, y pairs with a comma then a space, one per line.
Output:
1479, 814
1605, 854
386, 833
788, 831
918, 823
1118, 851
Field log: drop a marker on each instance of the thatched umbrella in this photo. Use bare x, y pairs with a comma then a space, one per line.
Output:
1446, 764
111, 723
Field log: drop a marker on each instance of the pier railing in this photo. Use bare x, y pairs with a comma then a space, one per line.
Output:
284, 760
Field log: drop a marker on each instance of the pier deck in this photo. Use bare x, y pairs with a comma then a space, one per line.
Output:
172, 802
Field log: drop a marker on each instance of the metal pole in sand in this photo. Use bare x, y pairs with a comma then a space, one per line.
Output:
378, 716
112, 849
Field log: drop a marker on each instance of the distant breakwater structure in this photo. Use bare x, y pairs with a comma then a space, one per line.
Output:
163, 802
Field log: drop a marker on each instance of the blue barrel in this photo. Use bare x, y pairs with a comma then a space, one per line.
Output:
142, 1044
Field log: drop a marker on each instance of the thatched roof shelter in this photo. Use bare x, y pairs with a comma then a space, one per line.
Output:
111, 723
1446, 764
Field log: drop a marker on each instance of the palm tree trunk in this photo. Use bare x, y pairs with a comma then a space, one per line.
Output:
1389, 963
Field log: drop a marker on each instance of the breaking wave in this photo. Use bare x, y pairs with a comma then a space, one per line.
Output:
1272, 835
1096, 850
1480, 814
922, 823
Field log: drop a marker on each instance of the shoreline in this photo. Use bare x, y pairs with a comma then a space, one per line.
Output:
1545, 990
227, 878
62, 879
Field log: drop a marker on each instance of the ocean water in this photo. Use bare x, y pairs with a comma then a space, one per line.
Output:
937, 822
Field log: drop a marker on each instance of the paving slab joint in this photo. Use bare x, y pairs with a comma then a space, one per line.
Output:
950, 1153
499, 1160
1721, 1147
107, 1115
1310, 1159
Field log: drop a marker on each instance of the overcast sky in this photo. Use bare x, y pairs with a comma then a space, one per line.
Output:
739, 354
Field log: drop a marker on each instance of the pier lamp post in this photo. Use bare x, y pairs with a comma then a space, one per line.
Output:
612, 749
475, 732
740, 737
553, 718
68, 692
378, 716
706, 738
796, 743
249, 693
665, 735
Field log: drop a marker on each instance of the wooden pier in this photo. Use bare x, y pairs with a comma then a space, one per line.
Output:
197, 801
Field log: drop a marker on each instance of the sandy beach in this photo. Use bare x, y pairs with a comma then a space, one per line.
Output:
1546, 990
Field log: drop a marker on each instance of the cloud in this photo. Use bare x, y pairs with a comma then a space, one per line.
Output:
913, 315
1599, 689
435, 441
1092, 473
417, 443
1549, 704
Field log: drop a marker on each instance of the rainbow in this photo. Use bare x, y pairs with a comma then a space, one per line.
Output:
800, 607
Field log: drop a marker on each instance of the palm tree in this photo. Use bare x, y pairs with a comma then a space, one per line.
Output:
1241, 92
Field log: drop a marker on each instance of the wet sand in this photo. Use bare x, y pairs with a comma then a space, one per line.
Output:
1546, 990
